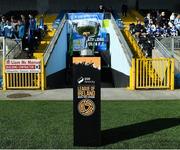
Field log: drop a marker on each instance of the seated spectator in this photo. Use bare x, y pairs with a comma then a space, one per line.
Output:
132, 28
173, 31
156, 26
177, 22
165, 31
149, 30
158, 31
153, 27
139, 28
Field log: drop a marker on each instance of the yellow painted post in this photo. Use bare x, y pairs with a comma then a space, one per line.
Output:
4, 76
130, 79
132, 75
42, 74
45, 84
172, 74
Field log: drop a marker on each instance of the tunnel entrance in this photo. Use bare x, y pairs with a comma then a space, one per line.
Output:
82, 35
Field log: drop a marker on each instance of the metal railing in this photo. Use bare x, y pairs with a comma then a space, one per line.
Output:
172, 43
122, 40
137, 50
15, 50
52, 44
162, 49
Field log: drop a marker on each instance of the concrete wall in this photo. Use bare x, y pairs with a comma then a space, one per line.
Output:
57, 60
57, 5
119, 61
159, 4
7, 5
42, 5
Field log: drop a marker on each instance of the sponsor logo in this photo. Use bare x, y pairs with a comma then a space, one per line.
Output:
86, 107
80, 80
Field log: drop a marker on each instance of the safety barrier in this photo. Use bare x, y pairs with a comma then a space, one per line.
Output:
122, 40
134, 45
20, 79
152, 73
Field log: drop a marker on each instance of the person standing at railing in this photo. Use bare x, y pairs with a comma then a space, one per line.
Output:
32, 25
31, 31
41, 22
2, 25
21, 29
8, 30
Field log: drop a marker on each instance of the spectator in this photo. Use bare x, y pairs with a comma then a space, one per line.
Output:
124, 10
23, 19
157, 31
171, 20
41, 23
177, 22
165, 31
8, 30
101, 9
21, 29
172, 17
25, 22
2, 25
32, 25
14, 23
147, 20
162, 19
153, 27
173, 31
138, 28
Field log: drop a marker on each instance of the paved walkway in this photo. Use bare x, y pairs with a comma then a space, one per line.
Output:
106, 94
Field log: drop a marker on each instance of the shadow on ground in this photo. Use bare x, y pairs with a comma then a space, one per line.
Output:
118, 134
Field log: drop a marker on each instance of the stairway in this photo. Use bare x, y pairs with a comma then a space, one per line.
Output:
48, 20
132, 17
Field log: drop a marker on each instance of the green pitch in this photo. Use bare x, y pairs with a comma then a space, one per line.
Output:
125, 124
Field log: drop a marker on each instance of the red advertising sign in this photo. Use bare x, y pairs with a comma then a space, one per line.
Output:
23, 66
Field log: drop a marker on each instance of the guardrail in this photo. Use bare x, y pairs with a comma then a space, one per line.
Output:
122, 40
167, 53
162, 49
15, 51
171, 42
52, 44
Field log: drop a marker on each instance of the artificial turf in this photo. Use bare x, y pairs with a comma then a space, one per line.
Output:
125, 124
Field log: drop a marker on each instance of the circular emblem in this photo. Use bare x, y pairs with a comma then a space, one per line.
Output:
86, 107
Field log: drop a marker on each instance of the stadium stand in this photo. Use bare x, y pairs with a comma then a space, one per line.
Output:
153, 25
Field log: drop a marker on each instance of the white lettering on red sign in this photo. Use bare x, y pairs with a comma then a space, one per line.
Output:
23, 66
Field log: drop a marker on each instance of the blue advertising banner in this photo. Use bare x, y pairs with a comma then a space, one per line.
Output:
80, 16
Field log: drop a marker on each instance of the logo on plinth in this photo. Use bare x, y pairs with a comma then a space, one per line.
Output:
86, 107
